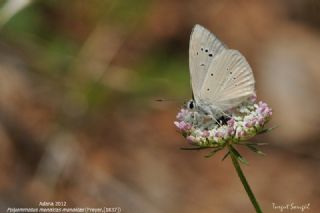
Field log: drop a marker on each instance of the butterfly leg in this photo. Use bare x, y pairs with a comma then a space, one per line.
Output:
210, 114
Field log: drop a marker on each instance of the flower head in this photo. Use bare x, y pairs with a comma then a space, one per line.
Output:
243, 122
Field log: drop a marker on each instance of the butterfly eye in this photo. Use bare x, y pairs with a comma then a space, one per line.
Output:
190, 104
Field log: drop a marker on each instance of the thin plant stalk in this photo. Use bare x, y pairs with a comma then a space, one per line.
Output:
243, 180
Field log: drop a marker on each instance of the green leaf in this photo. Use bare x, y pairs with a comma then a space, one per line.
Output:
252, 143
267, 130
238, 156
213, 152
254, 149
193, 148
225, 156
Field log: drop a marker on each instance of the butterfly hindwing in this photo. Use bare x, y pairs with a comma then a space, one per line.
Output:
204, 47
228, 81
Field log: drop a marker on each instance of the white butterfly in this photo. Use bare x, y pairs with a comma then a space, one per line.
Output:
221, 78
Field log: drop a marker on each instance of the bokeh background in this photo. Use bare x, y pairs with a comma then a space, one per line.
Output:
78, 116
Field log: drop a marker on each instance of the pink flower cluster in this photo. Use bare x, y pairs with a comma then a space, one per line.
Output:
183, 126
246, 121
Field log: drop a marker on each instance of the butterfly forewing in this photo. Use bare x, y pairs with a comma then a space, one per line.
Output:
228, 81
204, 47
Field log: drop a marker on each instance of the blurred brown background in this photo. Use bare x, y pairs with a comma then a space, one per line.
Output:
78, 120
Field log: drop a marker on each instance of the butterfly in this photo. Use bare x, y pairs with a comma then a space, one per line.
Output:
221, 78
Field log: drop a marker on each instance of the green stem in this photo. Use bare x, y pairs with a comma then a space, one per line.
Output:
244, 181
